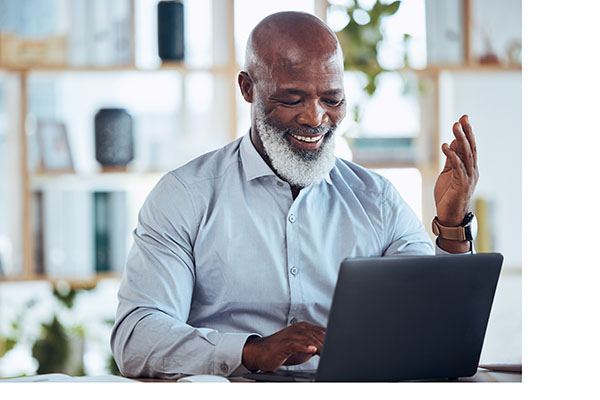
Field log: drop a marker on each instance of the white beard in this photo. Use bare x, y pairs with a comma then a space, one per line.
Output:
298, 167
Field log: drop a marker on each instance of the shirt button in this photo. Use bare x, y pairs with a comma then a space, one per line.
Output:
224, 367
279, 183
294, 271
292, 218
293, 321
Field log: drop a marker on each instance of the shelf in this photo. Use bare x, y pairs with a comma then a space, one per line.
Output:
101, 181
474, 68
184, 69
179, 67
75, 283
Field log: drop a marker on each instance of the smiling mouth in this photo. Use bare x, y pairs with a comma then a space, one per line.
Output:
307, 139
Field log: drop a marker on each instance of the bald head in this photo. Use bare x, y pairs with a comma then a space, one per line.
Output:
287, 38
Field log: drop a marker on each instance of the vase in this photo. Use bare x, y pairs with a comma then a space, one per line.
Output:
170, 31
113, 129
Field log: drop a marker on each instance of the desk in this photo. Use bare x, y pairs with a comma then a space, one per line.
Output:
482, 375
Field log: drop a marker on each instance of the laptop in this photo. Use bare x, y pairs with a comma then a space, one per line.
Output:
404, 318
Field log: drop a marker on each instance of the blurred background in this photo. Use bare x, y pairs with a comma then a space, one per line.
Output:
99, 98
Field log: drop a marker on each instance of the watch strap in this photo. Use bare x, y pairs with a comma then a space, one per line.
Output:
458, 233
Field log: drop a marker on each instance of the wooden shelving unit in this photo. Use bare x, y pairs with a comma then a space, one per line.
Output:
31, 181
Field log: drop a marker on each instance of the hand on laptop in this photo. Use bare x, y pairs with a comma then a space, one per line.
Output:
290, 346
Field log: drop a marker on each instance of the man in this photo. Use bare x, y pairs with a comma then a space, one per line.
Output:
236, 254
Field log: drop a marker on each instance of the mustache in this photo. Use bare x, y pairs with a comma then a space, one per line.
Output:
320, 130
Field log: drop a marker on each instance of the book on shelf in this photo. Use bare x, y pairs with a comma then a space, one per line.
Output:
66, 32
444, 31
32, 33
38, 232
110, 231
79, 233
101, 227
100, 33
66, 225
383, 150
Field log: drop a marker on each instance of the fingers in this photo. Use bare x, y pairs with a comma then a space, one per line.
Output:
292, 345
464, 146
315, 335
463, 149
454, 160
468, 130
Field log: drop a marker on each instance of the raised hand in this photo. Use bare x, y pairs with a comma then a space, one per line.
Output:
290, 346
456, 183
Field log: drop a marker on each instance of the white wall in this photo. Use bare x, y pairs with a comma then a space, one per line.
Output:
493, 102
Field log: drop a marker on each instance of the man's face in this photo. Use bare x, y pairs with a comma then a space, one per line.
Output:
299, 103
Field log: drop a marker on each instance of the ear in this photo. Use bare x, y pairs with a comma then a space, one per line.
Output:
246, 86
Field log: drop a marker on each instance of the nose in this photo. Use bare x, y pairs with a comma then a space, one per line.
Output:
312, 114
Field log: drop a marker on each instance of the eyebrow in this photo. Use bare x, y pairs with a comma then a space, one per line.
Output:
302, 92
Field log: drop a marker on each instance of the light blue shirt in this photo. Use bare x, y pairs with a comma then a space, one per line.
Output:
223, 251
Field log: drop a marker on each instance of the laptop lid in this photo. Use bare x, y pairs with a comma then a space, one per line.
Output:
409, 318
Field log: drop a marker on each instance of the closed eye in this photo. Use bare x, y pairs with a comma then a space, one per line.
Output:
333, 102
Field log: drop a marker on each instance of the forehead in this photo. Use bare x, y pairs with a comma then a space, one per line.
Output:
306, 72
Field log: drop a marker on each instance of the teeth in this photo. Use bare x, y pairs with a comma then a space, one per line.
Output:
309, 139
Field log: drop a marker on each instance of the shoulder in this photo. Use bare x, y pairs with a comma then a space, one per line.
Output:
183, 187
209, 166
359, 179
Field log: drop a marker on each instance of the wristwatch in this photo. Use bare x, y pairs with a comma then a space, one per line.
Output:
465, 231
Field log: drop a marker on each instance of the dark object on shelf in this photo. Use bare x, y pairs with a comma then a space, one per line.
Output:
101, 231
110, 231
170, 31
113, 129
489, 59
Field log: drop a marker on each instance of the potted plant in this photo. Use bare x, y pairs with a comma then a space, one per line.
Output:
360, 39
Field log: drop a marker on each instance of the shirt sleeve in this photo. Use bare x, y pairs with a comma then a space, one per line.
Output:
404, 234
151, 337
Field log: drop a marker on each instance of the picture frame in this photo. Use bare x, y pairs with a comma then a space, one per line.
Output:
54, 148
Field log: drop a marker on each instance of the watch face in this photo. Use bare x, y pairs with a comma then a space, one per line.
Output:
435, 229
473, 227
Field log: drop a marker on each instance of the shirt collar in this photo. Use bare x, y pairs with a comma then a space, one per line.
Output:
254, 165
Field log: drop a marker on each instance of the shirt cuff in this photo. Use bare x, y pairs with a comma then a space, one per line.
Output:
440, 251
228, 354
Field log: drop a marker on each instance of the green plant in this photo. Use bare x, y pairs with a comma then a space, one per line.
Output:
16, 330
359, 41
112, 366
58, 348
52, 349
55, 348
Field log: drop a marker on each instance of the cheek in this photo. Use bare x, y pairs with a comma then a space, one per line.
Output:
281, 116
336, 116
